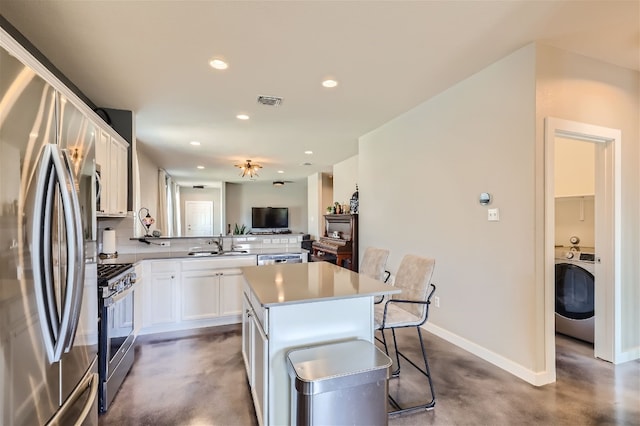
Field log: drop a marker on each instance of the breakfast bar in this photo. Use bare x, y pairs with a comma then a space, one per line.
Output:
294, 306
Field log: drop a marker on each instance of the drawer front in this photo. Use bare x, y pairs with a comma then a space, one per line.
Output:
163, 266
218, 262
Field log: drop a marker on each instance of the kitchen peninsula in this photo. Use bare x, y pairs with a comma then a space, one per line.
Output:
293, 306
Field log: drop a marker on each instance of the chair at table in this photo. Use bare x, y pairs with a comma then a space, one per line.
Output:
408, 309
373, 264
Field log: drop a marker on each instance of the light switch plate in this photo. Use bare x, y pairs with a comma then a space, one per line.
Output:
493, 215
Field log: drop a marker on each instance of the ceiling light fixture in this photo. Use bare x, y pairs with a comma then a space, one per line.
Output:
280, 171
308, 152
195, 143
242, 117
218, 64
200, 167
248, 169
329, 83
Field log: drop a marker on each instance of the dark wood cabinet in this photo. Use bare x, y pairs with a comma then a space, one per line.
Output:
339, 244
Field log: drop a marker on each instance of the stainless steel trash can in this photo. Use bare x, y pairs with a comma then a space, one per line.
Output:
339, 383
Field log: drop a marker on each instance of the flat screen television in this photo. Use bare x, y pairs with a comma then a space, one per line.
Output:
269, 217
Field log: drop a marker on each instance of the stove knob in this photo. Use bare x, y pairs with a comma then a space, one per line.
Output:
569, 255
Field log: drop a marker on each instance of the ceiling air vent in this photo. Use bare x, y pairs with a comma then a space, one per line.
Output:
269, 100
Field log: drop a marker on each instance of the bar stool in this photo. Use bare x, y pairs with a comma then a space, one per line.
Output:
373, 265
408, 309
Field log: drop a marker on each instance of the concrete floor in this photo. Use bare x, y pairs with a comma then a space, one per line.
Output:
200, 380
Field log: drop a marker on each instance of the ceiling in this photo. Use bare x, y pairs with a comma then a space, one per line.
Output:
152, 57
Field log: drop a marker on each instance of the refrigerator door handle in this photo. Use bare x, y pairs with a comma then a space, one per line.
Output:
55, 169
75, 246
41, 256
90, 381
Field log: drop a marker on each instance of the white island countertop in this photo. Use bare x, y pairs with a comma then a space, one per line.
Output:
296, 283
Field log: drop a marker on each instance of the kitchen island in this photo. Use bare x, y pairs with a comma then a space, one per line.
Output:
293, 306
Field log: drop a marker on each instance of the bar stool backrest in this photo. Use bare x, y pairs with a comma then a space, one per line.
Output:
373, 263
414, 276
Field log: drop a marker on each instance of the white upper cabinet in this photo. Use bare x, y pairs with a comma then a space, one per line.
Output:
111, 157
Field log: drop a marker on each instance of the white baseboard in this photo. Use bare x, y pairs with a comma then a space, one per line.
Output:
628, 355
191, 325
535, 378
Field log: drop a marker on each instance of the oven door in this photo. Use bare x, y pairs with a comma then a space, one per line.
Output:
118, 318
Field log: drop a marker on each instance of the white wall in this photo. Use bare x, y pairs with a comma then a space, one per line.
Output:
345, 179
575, 216
148, 186
319, 197
574, 87
241, 197
487, 134
478, 136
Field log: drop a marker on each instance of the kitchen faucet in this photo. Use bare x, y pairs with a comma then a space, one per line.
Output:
217, 242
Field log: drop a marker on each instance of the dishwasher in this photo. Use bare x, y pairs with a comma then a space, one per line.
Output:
271, 259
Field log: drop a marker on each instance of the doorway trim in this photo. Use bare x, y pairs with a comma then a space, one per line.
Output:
608, 190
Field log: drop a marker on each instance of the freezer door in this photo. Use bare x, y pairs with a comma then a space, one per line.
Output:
81, 407
29, 383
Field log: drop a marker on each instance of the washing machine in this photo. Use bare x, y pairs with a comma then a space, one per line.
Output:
575, 294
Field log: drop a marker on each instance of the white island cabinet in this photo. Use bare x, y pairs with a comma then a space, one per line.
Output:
297, 305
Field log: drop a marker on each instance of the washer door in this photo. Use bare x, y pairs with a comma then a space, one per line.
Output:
574, 292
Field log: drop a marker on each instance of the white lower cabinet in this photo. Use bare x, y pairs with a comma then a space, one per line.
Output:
193, 293
138, 299
255, 350
160, 294
231, 282
271, 332
200, 291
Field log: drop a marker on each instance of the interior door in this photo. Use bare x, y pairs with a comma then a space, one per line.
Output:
199, 218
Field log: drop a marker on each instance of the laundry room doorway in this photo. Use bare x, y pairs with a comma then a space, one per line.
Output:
574, 175
607, 235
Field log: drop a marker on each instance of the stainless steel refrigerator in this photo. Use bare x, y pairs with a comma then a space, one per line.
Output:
48, 294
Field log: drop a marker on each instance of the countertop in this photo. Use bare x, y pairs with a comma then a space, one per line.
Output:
182, 255
310, 282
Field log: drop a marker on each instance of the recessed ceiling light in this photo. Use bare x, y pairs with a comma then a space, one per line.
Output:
308, 152
218, 64
195, 143
242, 117
280, 171
200, 167
329, 83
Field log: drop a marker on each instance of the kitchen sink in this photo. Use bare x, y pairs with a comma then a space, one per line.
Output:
203, 253
216, 253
